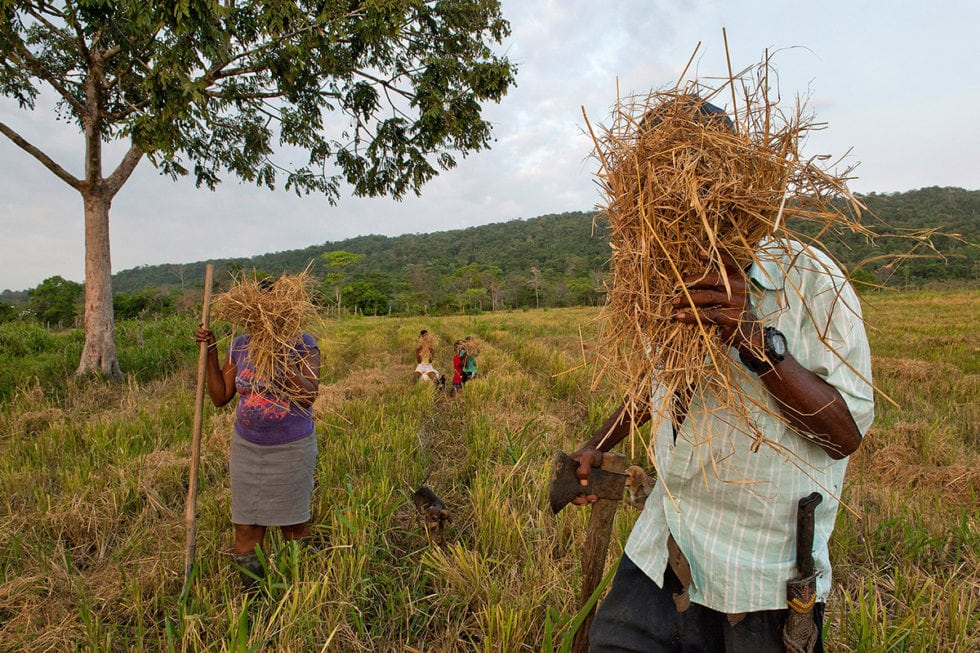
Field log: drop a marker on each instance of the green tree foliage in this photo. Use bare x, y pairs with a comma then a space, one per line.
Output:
149, 302
55, 301
377, 95
582, 291
471, 284
900, 255
7, 312
423, 272
366, 298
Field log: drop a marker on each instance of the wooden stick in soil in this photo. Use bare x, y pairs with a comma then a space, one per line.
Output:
596, 547
190, 509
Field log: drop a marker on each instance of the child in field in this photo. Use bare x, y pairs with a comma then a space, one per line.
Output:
469, 351
459, 355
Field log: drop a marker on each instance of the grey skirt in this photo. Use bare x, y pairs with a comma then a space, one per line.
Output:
272, 485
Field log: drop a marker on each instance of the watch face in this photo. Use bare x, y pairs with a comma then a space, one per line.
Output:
776, 343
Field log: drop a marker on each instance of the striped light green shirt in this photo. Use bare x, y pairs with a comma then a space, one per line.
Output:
732, 511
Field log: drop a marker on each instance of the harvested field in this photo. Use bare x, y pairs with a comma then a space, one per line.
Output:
91, 530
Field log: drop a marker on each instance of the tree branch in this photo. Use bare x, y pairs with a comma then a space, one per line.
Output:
72, 19
122, 172
220, 95
119, 116
47, 161
39, 17
26, 59
216, 72
384, 83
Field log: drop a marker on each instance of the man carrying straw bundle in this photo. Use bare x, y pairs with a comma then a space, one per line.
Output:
754, 346
274, 368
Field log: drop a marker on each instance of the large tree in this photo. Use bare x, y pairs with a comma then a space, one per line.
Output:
380, 94
336, 263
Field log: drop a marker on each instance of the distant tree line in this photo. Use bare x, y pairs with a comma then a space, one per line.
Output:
549, 261
554, 260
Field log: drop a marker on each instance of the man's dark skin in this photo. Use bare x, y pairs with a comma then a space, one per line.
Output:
810, 405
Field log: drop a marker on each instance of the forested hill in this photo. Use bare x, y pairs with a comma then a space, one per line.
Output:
904, 216
549, 260
560, 260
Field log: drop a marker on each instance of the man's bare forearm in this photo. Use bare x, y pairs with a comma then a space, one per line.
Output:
813, 408
617, 427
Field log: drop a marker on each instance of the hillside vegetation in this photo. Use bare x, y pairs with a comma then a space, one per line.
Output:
93, 478
552, 260
571, 255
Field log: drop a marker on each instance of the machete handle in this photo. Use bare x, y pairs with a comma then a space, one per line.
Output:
804, 532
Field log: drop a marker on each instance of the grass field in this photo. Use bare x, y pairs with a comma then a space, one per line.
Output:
93, 479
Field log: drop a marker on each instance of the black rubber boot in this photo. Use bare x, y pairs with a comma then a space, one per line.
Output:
250, 568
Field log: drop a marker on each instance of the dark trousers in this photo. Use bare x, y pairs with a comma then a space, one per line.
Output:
637, 615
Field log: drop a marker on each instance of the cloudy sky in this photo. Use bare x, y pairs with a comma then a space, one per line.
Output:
896, 83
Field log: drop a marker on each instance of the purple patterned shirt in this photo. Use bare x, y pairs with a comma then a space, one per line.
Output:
260, 417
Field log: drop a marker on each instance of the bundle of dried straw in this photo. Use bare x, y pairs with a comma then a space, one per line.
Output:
681, 180
427, 342
274, 314
472, 345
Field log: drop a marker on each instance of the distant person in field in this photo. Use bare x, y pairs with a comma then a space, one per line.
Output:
459, 360
273, 443
706, 565
424, 355
469, 351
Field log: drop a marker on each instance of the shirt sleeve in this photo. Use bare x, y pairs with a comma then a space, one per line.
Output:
835, 344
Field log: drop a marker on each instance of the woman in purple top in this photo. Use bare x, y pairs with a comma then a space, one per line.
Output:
273, 447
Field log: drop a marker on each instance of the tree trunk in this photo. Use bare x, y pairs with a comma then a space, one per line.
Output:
99, 352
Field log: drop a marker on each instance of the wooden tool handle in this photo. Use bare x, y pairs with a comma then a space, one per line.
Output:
190, 507
596, 545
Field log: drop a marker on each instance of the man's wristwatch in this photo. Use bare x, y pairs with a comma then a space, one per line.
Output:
774, 348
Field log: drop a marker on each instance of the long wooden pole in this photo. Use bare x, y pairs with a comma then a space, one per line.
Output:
190, 508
